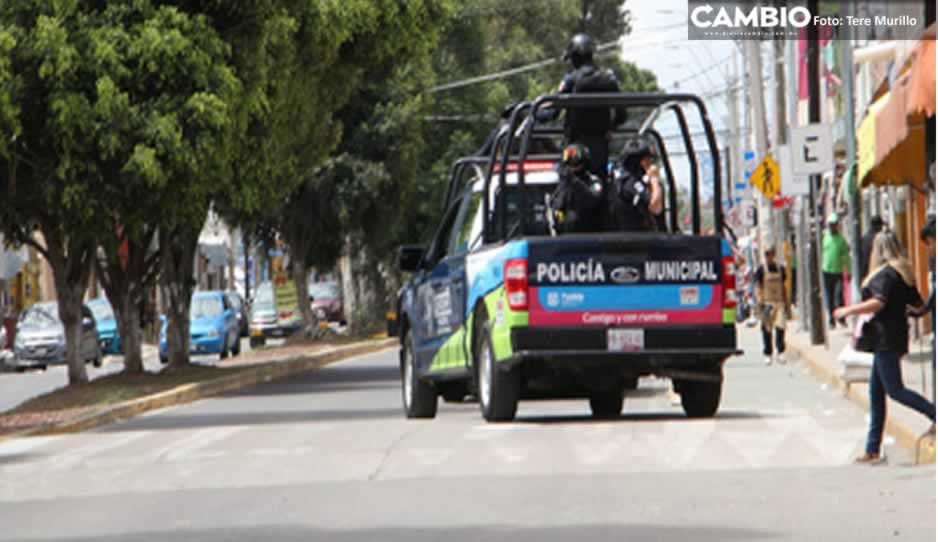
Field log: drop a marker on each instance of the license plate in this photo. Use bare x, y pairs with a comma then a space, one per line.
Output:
257, 333
625, 340
690, 295
41, 351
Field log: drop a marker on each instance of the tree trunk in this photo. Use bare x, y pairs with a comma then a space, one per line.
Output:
71, 267
126, 274
247, 266
177, 260
69, 300
349, 290
299, 272
127, 314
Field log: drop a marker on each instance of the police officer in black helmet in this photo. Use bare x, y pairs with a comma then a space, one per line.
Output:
636, 201
589, 126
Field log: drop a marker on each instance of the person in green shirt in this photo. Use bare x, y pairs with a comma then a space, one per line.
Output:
834, 261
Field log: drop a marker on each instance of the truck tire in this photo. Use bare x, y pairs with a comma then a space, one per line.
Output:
607, 405
499, 388
418, 396
700, 399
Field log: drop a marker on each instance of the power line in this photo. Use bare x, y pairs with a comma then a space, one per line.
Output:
602, 49
701, 72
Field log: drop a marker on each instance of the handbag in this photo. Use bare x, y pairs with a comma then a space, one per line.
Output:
864, 334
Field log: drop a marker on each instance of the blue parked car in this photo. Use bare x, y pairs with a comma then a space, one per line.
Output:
108, 337
213, 326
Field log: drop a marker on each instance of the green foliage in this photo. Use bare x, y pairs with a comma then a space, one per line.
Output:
487, 36
360, 191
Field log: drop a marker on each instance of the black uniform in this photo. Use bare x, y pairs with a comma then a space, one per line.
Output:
589, 126
629, 196
578, 202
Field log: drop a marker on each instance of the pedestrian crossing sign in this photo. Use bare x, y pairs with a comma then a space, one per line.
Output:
766, 178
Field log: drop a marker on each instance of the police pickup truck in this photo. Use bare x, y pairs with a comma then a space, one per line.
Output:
501, 308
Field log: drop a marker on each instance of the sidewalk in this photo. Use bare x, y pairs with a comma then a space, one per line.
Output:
904, 424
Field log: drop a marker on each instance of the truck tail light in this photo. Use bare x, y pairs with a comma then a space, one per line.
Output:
516, 283
729, 283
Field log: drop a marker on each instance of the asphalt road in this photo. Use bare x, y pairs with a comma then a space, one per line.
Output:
329, 456
16, 387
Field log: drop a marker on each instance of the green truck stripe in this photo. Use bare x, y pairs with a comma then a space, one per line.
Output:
456, 351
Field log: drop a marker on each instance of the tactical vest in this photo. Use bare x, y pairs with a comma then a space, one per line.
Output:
773, 287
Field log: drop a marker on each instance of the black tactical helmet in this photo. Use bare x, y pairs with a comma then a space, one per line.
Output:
580, 50
634, 151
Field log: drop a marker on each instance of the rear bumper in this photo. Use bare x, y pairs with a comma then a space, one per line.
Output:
268, 331
679, 352
669, 340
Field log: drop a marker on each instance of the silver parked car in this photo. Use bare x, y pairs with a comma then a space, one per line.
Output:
40, 337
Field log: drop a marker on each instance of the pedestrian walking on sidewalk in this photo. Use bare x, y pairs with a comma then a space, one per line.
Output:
835, 262
773, 305
888, 291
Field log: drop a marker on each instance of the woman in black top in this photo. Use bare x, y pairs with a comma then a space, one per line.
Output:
888, 291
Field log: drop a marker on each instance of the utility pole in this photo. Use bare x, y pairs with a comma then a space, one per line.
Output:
856, 214
801, 238
814, 226
733, 162
781, 128
766, 222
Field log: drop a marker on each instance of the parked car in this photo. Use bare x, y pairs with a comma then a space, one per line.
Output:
213, 326
40, 337
326, 301
265, 322
241, 311
108, 337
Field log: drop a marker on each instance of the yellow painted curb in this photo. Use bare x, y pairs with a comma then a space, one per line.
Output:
188, 393
907, 437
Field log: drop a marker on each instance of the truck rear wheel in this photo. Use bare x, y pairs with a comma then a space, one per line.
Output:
499, 388
700, 399
607, 405
418, 396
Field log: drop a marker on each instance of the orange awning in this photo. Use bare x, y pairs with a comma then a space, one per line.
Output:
891, 139
920, 97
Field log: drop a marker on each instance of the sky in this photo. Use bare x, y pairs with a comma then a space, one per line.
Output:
659, 43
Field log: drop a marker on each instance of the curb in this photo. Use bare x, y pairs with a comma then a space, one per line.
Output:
907, 437
188, 393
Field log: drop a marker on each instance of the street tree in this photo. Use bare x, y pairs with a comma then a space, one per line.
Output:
160, 114
351, 195
49, 185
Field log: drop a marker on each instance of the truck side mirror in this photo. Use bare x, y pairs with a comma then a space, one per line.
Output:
409, 257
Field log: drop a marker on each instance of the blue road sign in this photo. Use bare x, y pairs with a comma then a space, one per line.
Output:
749, 155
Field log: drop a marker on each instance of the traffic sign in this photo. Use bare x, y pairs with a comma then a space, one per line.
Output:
766, 177
792, 185
813, 149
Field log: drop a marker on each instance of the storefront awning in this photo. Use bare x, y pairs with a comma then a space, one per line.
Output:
891, 138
